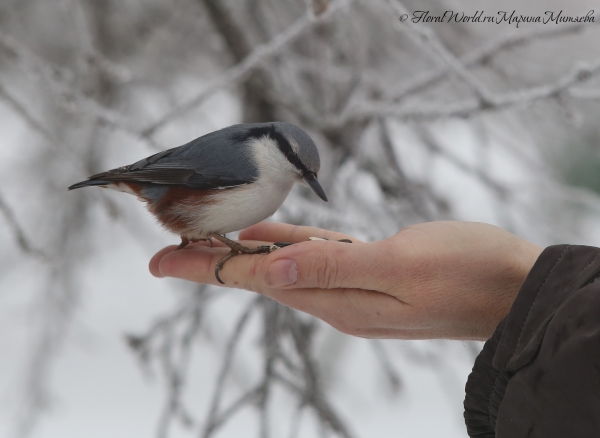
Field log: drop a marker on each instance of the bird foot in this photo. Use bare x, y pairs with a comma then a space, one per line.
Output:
236, 248
183, 244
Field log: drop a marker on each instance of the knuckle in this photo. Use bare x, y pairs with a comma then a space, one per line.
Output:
254, 266
326, 271
251, 276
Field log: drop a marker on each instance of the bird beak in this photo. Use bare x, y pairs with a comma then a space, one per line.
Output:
311, 180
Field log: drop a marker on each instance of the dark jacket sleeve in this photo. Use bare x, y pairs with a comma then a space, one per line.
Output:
538, 376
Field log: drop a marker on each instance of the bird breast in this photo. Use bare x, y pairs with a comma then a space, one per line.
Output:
239, 207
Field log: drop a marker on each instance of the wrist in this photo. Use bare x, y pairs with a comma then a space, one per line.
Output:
518, 263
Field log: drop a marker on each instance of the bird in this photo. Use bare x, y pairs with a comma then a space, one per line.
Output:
221, 182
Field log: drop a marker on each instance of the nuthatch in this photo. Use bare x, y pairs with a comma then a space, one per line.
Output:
221, 182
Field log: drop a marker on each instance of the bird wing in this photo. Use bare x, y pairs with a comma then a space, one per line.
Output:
170, 173
214, 161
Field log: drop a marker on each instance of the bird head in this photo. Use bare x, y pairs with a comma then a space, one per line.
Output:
296, 146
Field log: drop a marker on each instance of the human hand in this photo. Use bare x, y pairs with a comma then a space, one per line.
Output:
453, 280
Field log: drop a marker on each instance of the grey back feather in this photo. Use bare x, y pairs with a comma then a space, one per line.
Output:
215, 160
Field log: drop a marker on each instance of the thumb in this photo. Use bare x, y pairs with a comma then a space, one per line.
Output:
326, 265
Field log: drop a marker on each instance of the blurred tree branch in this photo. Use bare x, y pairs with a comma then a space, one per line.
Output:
21, 239
244, 68
256, 107
60, 83
471, 107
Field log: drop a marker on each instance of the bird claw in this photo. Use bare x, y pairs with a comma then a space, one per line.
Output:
323, 238
235, 250
217, 269
278, 245
221, 263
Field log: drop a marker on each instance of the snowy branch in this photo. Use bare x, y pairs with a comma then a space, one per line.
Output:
59, 83
472, 107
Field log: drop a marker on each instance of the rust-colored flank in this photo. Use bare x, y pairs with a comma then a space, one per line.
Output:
179, 204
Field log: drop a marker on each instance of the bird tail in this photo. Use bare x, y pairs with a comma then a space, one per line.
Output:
89, 183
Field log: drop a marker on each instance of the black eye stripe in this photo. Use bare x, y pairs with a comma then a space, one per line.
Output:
284, 145
286, 148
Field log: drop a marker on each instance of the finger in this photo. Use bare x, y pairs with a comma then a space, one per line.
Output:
330, 265
278, 232
155, 260
315, 264
197, 263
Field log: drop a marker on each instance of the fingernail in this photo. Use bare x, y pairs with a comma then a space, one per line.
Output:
282, 272
156, 273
